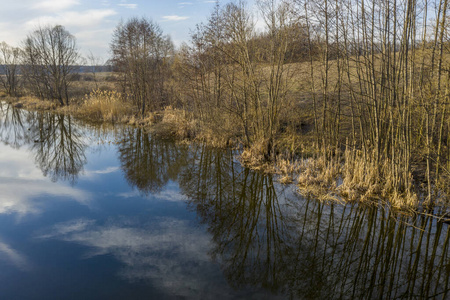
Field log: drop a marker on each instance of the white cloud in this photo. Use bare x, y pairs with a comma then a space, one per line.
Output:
11, 34
80, 19
94, 40
55, 5
184, 4
128, 5
174, 18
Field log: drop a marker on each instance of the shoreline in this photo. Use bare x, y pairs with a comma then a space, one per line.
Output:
328, 180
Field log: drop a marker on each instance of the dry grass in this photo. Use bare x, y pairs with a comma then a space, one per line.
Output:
253, 157
222, 130
214, 138
33, 103
104, 105
339, 177
287, 170
365, 180
443, 185
174, 123
319, 177
359, 177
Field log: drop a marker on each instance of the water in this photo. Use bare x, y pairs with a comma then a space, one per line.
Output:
111, 213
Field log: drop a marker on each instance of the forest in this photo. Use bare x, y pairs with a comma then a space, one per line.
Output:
347, 99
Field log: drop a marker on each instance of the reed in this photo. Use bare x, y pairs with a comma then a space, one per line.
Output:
105, 106
173, 123
319, 177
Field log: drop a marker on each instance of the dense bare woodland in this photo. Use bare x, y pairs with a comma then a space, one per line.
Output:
350, 98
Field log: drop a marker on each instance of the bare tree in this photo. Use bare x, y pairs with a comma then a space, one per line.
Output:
50, 59
141, 55
9, 60
235, 73
95, 63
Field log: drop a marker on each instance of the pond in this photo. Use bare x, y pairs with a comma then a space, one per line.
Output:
89, 212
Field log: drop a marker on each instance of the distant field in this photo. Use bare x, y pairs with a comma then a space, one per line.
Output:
78, 69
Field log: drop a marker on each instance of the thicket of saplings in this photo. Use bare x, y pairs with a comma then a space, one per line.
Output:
348, 92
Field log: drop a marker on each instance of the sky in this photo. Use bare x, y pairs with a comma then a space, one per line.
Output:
92, 22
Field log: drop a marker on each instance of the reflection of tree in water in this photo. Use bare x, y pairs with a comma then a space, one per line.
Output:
55, 140
58, 146
366, 252
149, 163
243, 214
13, 130
307, 249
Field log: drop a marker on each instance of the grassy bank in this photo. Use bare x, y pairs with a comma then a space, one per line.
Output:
108, 106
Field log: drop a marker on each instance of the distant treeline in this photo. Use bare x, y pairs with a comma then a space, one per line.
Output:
75, 69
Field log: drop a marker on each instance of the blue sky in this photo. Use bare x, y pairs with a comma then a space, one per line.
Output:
93, 21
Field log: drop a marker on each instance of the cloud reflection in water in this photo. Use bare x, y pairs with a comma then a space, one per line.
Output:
21, 183
167, 252
10, 255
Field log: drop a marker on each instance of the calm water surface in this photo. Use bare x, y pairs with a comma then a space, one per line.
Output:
95, 213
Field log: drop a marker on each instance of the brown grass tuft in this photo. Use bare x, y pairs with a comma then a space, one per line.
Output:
253, 158
287, 169
318, 177
366, 180
174, 123
33, 103
105, 105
